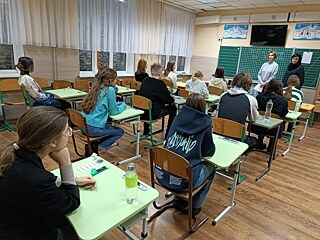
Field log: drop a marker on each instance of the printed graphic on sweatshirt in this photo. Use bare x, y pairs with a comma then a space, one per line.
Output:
178, 141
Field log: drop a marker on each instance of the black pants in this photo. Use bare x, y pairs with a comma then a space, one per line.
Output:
170, 110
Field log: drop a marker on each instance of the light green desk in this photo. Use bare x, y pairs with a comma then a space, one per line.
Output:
124, 91
106, 208
292, 116
228, 152
269, 124
179, 101
131, 116
67, 93
212, 99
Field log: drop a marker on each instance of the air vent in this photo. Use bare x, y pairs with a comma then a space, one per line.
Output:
235, 18
273, 17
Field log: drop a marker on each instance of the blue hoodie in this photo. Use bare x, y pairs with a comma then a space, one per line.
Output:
190, 136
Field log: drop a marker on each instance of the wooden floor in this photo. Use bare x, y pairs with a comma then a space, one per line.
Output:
284, 204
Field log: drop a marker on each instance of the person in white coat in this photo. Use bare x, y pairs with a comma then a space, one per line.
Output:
268, 71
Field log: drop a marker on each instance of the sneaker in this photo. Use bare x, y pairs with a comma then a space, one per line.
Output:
195, 211
261, 146
180, 205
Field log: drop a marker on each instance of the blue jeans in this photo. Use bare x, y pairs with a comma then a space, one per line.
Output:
112, 133
207, 171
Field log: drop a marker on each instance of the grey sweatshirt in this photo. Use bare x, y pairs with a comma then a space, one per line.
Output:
267, 72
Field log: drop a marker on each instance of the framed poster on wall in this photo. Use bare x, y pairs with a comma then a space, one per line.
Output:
307, 31
235, 31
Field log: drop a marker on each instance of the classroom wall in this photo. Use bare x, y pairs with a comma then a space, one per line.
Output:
206, 44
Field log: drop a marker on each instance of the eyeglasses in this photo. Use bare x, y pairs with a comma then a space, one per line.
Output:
69, 132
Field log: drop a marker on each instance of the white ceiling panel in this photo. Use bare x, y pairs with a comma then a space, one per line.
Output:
237, 4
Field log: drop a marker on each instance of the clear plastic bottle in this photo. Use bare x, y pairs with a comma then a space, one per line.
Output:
269, 107
131, 181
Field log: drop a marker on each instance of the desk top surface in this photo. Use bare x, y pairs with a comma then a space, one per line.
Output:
307, 106
227, 151
267, 123
212, 98
129, 112
124, 90
181, 84
292, 115
179, 100
105, 208
65, 93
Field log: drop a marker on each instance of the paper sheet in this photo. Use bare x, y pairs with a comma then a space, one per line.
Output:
306, 57
258, 88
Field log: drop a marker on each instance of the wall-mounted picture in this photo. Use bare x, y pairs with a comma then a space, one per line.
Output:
235, 31
307, 31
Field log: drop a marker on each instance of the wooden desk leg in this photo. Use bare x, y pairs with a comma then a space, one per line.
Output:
305, 126
268, 168
233, 193
291, 138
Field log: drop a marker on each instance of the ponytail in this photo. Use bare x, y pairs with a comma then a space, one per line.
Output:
288, 92
6, 159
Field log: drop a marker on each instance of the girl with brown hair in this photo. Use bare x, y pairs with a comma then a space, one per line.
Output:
33, 202
99, 104
217, 80
170, 75
25, 66
273, 91
141, 72
192, 125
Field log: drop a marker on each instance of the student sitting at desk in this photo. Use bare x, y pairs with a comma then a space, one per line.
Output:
217, 80
293, 93
99, 103
170, 75
192, 126
25, 66
237, 104
156, 90
141, 72
33, 202
196, 85
280, 107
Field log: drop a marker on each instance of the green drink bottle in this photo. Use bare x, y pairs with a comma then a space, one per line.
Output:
131, 181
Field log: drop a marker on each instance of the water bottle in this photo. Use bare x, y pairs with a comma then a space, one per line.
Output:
269, 107
131, 180
297, 107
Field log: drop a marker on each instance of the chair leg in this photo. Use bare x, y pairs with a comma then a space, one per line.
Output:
146, 137
161, 208
6, 124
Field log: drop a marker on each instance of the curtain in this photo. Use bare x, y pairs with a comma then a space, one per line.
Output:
135, 26
107, 25
51, 23
178, 31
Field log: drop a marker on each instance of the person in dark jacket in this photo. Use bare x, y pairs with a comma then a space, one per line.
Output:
33, 202
294, 68
237, 104
156, 90
191, 137
141, 72
280, 107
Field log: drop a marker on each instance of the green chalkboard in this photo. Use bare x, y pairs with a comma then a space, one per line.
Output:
250, 59
228, 59
311, 70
